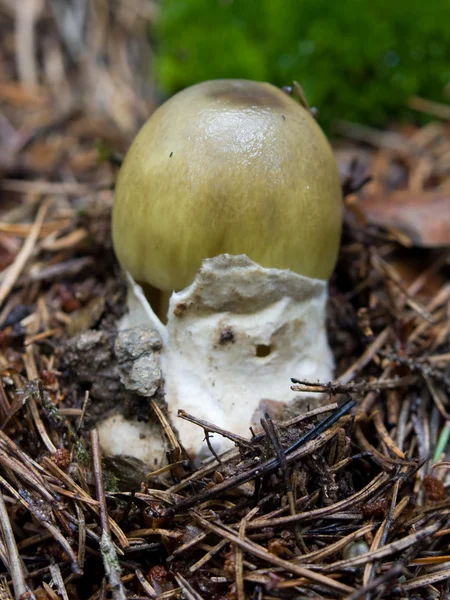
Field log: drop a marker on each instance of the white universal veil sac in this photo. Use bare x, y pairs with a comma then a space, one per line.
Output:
232, 342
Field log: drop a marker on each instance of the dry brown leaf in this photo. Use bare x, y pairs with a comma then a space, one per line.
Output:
423, 217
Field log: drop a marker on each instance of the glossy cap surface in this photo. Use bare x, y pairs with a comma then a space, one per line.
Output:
227, 166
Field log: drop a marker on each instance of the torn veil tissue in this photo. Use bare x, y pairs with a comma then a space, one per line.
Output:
233, 340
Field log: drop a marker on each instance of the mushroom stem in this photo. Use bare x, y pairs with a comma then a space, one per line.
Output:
158, 300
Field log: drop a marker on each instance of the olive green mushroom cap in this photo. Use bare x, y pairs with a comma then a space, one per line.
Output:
227, 166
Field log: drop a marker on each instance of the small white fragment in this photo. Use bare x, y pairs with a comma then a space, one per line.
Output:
125, 437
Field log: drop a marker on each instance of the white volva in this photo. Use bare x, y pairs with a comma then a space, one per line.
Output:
233, 340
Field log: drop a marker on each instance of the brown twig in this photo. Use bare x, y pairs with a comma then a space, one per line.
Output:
384, 551
379, 583
352, 387
21, 259
361, 496
211, 428
258, 471
110, 559
15, 566
260, 552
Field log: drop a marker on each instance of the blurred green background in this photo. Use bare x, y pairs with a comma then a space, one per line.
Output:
357, 60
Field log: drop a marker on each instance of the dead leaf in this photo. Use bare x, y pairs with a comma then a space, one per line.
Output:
423, 217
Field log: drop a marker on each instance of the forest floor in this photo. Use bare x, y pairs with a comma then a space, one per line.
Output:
358, 509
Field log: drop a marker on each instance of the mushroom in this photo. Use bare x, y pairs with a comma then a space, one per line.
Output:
229, 206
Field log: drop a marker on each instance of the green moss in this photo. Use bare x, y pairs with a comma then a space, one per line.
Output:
81, 454
356, 60
110, 481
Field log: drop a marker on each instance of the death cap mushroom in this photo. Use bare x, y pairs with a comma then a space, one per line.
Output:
230, 197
